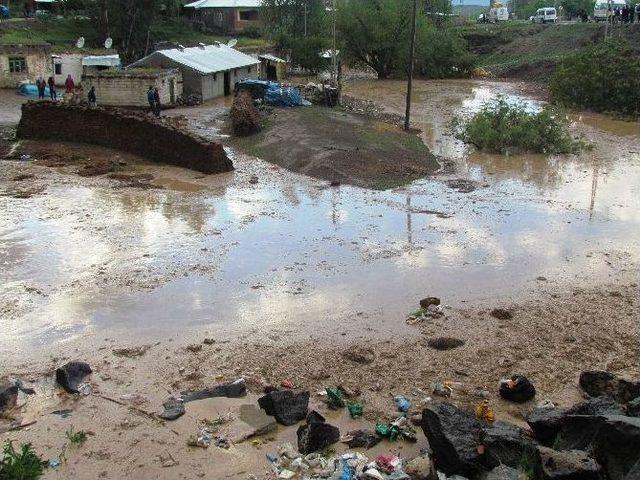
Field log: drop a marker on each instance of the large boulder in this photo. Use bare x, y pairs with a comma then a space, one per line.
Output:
287, 406
613, 440
597, 383
454, 437
566, 465
8, 396
505, 444
72, 375
633, 408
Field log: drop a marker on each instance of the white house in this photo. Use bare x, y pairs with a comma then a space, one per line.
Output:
207, 70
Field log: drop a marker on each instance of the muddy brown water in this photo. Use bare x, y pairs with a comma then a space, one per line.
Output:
221, 252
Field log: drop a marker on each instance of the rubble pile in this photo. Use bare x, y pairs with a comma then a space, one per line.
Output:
245, 117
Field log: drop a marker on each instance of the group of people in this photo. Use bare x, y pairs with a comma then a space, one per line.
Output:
624, 14
69, 85
153, 97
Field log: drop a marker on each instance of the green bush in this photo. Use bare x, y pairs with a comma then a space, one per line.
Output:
505, 127
22, 465
602, 78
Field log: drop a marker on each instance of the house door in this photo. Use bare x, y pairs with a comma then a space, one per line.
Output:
172, 90
227, 83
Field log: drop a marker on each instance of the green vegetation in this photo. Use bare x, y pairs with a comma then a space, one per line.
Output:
376, 33
76, 438
22, 465
504, 127
603, 78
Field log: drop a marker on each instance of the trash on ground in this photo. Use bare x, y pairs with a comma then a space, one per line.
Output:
71, 376
173, 409
355, 409
485, 412
335, 399
403, 403
361, 439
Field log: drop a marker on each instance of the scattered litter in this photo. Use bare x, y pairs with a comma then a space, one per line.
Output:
485, 412
335, 399
387, 463
202, 439
355, 409
361, 439
25, 157
71, 376
53, 463
173, 409
85, 389
442, 389
65, 413
403, 403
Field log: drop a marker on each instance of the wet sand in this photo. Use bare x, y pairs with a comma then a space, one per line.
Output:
291, 272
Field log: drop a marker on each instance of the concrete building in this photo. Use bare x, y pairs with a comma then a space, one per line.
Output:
76, 64
208, 71
128, 88
224, 16
24, 63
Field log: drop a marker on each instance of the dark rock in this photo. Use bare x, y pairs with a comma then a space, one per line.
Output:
633, 408
454, 437
567, 465
235, 389
597, 406
334, 183
71, 375
502, 472
362, 439
518, 389
425, 302
316, 436
506, 444
315, 417
8, 396
501, 314
613, 440
173, 408
597, 383
287, 406
445, 343
359, 354
545, 423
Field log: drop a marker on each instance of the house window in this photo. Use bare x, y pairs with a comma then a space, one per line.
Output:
58, 68
248, 15
17, 64
249, 69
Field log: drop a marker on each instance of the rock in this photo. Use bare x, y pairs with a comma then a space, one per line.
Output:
316, 436
287, 406
454, 437
361, 439
195, 348
501, 314
315, 417
502, 472
506, 444
131, 352
517, 389
545, 423
71, 375
8, 396
597, 406
236, 389
633, 408
209, 341
613, 440
441, 390
173, 409
567, 465
597, 383
252, 422
445, 343
420, 468
425, 302
359, 354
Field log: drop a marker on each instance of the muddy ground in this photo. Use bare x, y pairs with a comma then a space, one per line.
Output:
284, 274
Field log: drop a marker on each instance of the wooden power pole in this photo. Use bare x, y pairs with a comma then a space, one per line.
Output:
412, 52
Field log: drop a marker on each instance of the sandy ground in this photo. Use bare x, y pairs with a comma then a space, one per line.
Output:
286, 274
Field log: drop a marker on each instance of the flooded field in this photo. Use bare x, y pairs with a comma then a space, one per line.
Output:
285, 271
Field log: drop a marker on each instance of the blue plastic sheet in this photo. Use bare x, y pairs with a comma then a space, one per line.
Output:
275, 93
4, 12
31, 90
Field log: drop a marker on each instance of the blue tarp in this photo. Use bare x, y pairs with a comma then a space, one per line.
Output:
4, 12
31, 90
274, 93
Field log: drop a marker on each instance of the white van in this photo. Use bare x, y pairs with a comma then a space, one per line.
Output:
601, 8
498, 14
545, 15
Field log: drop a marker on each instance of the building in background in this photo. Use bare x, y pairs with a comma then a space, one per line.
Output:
76, 64
224, 16
208, 71
24, 63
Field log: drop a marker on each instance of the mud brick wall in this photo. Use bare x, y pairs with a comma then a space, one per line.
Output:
124, 130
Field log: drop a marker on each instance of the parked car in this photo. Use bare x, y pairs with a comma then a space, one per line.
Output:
545, 15
498, 14
601, 8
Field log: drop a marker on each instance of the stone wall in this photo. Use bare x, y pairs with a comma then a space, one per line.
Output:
125, 130
127, 88
38, 64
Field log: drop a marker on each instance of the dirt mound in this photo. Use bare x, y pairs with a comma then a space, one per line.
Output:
245, 117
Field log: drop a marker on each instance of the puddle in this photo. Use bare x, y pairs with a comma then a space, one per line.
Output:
291, 252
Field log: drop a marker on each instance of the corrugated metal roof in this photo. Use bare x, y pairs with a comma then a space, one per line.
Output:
273, 58
225, 4
205, 59
101, 61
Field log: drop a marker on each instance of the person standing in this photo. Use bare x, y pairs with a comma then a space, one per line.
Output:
42, 85
69, 86
151, 100
91, 96
52, 89
156, 101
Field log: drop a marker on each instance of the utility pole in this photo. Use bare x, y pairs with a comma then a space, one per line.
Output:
305, 18
334, 58
407, 116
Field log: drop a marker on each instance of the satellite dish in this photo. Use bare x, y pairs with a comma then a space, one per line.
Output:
80, 42
232, 43
108, 43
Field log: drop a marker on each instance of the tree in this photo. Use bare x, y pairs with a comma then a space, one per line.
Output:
573, 8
